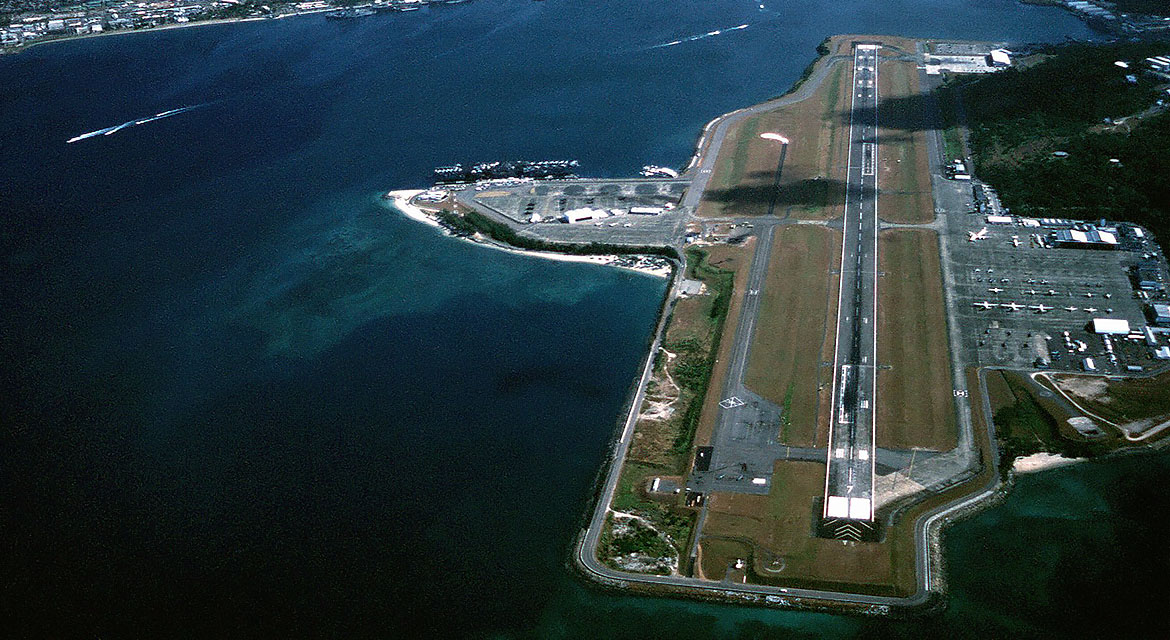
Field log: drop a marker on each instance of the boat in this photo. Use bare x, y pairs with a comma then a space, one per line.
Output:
655, 171
400, 6
349, 14
542, 169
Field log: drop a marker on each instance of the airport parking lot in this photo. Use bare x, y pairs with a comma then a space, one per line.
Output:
1016, 299
538, 209
549, 200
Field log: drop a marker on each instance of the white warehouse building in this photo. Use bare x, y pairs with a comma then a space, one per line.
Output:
1111, 326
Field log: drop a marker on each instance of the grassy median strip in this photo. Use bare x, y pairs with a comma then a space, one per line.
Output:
915, 402
793, 326
903, 168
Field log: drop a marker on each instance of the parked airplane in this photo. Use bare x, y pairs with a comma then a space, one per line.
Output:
985, 304
1012, 306
1088, 294
1090, 310
995, 290
972, 236
1040, 308
1070, 308
1015, 241
1052, 292
1030, 292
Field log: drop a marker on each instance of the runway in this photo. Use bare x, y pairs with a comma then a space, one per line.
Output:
849, 478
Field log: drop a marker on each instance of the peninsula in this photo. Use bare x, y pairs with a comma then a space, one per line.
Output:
859, 338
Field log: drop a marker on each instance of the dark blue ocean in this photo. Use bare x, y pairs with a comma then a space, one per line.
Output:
239, 397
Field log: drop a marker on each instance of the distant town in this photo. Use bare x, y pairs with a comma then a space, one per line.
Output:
25, 22
1119, 17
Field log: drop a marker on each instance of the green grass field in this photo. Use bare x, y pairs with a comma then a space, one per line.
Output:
794, 325
915, 406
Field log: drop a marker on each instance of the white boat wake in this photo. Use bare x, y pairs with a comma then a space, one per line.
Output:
701, 36
125, 125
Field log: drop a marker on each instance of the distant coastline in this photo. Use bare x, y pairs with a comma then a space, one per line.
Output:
165, 27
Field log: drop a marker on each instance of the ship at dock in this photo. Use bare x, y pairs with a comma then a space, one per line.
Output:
350, 14
655, 171
540, 169
399, 6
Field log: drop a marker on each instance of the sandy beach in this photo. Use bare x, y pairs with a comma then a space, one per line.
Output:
401, 201
1041, 461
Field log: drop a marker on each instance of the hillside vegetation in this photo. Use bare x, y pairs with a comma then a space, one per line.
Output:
1074, 100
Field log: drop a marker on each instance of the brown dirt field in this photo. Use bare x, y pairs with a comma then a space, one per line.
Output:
1123, 401
731, 258
915, 405
780, 525
810, 186
903, 167
794, 325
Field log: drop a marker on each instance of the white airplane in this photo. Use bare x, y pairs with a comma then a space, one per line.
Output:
1030, 292
1088, 294
1040, 308
972, 236
1070, 308
1015, 241
1090, 310
985, 304
995, 290
1052, 292
1012, 306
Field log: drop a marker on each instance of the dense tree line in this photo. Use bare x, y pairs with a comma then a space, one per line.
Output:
1151, 7
1072, 102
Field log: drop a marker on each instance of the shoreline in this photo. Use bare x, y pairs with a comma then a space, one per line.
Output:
400, 201
166, 27
1041, 462
929, 520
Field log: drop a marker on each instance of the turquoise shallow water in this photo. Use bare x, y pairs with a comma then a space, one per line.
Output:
243, 399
